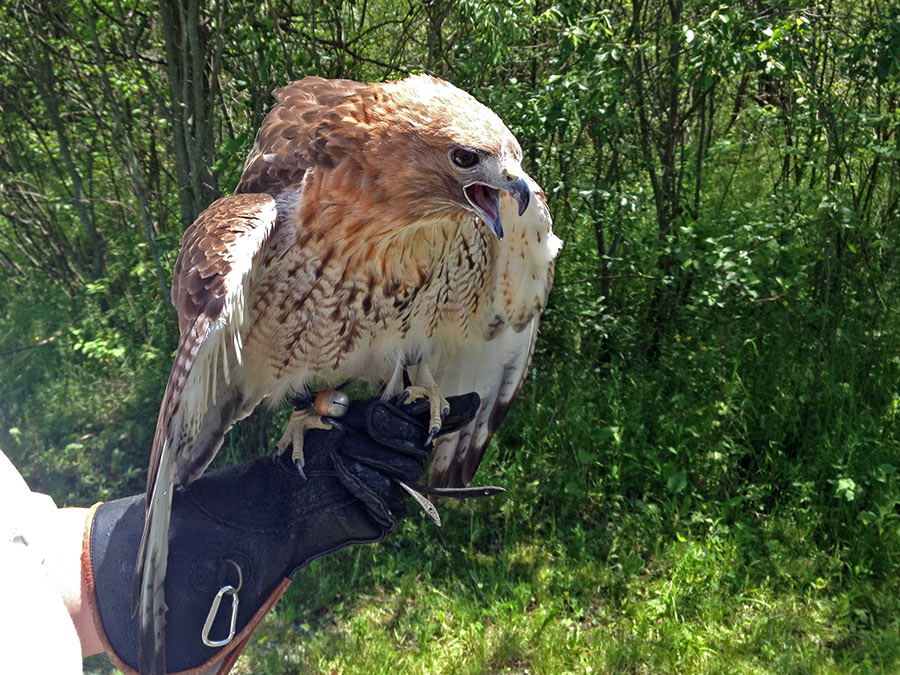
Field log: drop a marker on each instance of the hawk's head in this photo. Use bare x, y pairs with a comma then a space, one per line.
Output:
413, 150
445, 152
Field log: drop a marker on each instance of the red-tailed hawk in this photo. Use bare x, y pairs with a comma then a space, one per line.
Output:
375, 226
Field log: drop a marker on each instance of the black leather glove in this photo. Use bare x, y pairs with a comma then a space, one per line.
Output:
238, 535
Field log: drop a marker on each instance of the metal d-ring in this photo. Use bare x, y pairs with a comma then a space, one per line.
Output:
214, 610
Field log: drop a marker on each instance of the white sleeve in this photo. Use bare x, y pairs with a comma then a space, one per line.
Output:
36, 632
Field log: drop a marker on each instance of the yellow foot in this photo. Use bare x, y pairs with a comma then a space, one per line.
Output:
300, 422
428, 388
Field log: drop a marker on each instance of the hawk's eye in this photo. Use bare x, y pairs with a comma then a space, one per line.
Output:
463, 158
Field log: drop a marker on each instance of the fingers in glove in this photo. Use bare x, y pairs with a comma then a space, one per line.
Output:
406, 429
370, 487
406, 464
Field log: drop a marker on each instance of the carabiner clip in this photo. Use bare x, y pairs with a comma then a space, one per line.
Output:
214, 611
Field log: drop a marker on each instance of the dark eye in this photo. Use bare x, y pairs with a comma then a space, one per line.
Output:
464, 158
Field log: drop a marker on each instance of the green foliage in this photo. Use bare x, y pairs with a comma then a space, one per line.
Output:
703, 465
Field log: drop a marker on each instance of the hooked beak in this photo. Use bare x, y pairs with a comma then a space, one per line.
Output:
486, 201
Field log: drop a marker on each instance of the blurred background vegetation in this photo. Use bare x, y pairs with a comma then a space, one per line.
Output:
702, 468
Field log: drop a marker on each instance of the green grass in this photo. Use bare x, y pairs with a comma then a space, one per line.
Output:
698, 524
483, 600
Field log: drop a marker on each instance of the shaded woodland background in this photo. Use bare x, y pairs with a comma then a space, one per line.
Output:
703, 465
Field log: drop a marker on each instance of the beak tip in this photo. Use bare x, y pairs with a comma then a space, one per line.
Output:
520, 192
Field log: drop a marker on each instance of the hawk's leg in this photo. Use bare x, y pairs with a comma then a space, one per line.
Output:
311, 413
300, 422
426, 387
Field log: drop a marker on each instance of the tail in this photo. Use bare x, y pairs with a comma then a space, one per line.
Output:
194, 415
148, 587
148, 590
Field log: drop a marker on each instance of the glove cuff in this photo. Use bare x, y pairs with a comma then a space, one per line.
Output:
87, 583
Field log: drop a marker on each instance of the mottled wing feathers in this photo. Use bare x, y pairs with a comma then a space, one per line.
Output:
210, 290
314, 124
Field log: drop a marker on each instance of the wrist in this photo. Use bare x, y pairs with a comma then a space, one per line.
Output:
63, 565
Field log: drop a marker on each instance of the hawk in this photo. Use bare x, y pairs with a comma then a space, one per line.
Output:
375, 228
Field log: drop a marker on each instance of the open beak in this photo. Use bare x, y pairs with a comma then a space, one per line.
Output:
486, 201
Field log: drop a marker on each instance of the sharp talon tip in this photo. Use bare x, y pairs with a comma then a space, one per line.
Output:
444, 413
275, 454
431, 434
300, 469
334, 423
402, 398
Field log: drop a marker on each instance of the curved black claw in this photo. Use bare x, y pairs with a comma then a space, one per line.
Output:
431, 434
300, 469
402, 398
444, 413
275, 454
334, 423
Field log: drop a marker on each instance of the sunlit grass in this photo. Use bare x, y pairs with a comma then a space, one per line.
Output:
733, 509
704, 604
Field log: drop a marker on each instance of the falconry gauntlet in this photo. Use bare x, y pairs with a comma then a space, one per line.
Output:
238, 535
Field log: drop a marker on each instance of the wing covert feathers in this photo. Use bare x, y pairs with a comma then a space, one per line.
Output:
306, 129
210, 293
